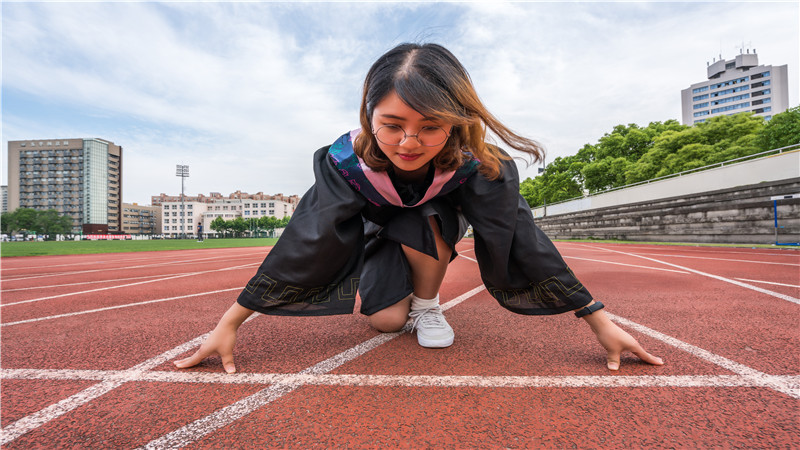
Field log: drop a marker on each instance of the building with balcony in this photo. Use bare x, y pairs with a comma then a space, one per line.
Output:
734, 86
80, 178
137, 219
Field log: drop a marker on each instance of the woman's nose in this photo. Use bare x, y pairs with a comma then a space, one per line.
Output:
410, 141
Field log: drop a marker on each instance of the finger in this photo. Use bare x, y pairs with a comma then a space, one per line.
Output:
193, 360
613, 360
647, 357
227, 363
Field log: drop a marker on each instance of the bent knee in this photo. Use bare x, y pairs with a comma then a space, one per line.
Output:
387, 323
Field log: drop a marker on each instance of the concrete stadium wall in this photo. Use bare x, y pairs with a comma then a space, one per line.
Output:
741, 215
781, 166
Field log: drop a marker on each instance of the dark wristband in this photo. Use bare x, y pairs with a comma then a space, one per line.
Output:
596, 306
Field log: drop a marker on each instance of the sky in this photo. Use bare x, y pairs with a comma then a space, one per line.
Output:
244, 93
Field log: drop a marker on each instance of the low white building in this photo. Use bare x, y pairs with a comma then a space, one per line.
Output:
175, 223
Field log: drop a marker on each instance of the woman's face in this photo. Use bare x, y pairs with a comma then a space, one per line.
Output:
410, 159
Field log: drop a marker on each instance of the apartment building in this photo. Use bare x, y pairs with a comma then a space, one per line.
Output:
138, 219
734, 86
80, 178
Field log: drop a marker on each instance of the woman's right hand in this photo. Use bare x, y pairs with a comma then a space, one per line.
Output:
221, 341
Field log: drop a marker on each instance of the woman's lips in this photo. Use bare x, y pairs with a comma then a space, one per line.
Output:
409, 156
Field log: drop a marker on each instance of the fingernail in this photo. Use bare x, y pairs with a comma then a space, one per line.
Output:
613, 366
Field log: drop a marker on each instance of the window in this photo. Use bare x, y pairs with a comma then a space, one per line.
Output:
246, 213
701, 113
700, 89
730, 91
730, 99
729, 82
731, 107
760, 83
759, 75
699, 97
701, 105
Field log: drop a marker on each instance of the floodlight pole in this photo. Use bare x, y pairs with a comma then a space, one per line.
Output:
182, 171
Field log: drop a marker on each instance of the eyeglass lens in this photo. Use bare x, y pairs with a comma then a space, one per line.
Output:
427, 136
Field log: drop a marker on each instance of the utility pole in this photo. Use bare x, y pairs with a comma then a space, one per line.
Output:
183, 172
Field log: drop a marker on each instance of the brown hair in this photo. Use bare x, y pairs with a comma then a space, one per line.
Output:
429, 79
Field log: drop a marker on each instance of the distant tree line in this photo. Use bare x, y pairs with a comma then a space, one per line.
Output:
27, 221
253, 226
630, 154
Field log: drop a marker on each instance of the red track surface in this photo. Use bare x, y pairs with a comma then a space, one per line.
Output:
87, 345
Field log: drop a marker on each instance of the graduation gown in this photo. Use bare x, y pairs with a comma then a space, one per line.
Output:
345, 237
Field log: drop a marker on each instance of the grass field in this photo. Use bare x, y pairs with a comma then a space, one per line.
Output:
8, 249
83, 247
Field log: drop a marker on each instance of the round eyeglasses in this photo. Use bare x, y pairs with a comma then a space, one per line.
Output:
426, 136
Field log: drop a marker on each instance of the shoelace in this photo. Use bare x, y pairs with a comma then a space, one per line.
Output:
433, 320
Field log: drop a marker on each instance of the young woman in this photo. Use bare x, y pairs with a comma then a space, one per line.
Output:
389, 204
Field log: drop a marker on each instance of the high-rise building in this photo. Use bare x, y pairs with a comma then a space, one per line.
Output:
4, 193
80, 178
734, 86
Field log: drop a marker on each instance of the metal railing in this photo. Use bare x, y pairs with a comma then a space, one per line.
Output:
765, 154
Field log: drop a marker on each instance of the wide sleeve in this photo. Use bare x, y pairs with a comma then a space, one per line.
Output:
519, 265
314, 268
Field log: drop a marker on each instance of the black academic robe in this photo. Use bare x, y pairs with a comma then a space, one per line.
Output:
345, 236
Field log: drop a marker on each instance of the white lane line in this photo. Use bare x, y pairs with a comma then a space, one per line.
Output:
323, 379
43, 416
769, 282
109, 308
757, 377
203, 426
788, 298
719, 259
127, 285
694, 249
623, 264
108, 269
82, 283
168, 258
467, 257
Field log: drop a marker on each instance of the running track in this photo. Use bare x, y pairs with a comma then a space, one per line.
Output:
87, 345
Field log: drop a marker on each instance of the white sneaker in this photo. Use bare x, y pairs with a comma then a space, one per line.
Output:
433, 331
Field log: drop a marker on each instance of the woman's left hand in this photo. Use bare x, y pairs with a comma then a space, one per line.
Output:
616, 341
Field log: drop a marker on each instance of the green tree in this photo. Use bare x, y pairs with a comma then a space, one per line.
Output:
238, 226
7, 222
782, 130
218, 225
605, 174
50, 223
25, 220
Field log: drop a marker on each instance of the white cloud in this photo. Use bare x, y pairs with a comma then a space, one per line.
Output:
245, 92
